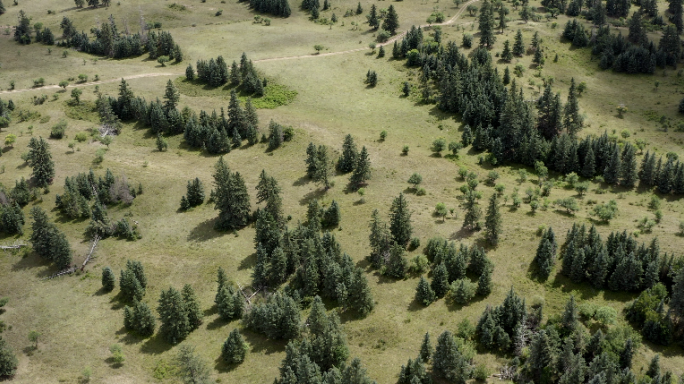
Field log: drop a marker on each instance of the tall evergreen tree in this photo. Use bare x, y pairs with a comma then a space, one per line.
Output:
486, 25
507, 56
472, 208
400, 221
347, 160
628, 166
108, 279
391, 22
440, 280
424, 294
171, 97
323, 167
8, 360
484, 282
611, 173
195, 314
234, 348
572, 120
518, 45
493, 221
362, 170
231, 197
40, 159
425, 349
174, 316
373, 21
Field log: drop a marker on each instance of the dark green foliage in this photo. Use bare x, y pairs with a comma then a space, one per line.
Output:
277, 318
518, 45
140, 319
391, 22
268, 191
40, 159
229, 302
362, 171
133, 281
192, 369
48, 241
332, 215
397, 264
484, 282
12, 219
424, 293
234, 348
373, 21
8, 360
472, 208
466, 136
448, 360
440, 280
174, 316
22, 31
195, 193
546, 253
190, 73
400, 221
347, 161
108, 279
195, 314
486, 25
277, 8
493, 221
231, 198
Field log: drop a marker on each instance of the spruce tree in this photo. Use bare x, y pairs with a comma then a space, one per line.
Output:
359, 296
448, 362
507, 56
627, 354
195, 314
311, 163
493, 221
424, 294
518, 44
472, 208
507, 76
572, 120
373, 18
174, 316
589, 167
400, 221
362, 171
40, 159
347, 160
484, 282
466, 136
611, 173
231, 198
234, 348
502, 18
323, 167
108, 279
570, 317
171, 97
391, 22
628, 166
677, 297
440, 280
486, 25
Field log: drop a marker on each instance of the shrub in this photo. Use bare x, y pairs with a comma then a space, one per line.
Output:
57, 131
467, 41
405, 150
439, 145
605, 212
415, 243
81, 137
383, 36
421, 192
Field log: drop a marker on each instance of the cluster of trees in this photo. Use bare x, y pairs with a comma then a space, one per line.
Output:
48, 241
132, 282
92, 3
660, 319
194, 196
318, 163
274, 7
79, 190
179, 312
451, 361
110, 42
216, 73
499, 328
388, 244
320, 355
229, 302
11, 214
667, 177
450, 269
619, 264
317, 262
545, 258
277, 318
230, 197
101, 226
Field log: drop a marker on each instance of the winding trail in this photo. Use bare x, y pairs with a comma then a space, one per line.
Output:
156, 74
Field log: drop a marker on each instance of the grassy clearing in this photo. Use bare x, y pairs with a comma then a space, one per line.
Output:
79, 323
275, 95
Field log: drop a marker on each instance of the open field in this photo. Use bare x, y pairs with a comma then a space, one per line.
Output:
79, 322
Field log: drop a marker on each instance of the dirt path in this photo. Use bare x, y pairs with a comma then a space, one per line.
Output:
155, 74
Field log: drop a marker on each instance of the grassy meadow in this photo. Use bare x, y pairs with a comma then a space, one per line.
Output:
79, 322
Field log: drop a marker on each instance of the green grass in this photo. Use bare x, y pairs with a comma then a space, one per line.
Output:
79, 323
275, 95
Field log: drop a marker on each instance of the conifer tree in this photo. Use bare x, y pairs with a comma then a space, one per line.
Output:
234, 348
486, 25
507, 76
397, 265
189, 73
332, 215
467, 136
195, 314
472, 208
424, 294
373, 18
677, 298
507, 56
448, 362
502, 18
589, 167
572, 120
311, 163
612, 172
171, 97
174, 316
627, 354
577, 270
391, 22
484, 282
362, 171
440, 280
323, 167
425, 349
493, 221
347, 160
40, 159
400, 221
108, 279
518, 44
359, 295
628, 171
570, 317
231, 198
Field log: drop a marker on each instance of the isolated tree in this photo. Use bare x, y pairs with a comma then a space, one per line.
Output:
40, 159
108, 279
231, 198
472, 208
424, 293
323, 167
373, 21
518, 45
400, 221
493, 221
507, 54
362, 171
234, 348
486, 25
426, 350
391, 22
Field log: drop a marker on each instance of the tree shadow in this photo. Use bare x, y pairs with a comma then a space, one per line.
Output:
462, 233
217, 323
32, 260
248, 262
415, 306
221, 366
155, 345
204, 231
301, 181
315, 194
261, 344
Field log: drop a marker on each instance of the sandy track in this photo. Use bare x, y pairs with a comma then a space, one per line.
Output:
156, 74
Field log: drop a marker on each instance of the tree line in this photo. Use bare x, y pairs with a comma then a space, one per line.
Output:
274, 7
216, 73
